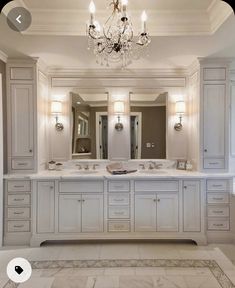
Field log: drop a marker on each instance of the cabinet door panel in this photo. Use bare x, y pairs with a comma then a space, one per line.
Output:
214, 121
70, 213
92, 213
145, 213
22, 120
192, 206
167, 212
45, 207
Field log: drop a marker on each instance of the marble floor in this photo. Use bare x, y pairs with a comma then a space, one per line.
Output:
62, 271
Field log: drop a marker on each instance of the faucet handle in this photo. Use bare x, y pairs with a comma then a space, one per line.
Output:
86, 166
142, 165
95, 165
79, 166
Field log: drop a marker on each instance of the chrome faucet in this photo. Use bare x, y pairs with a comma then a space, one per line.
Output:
95, 165
79, 166
86, 167
142, 165
154, 165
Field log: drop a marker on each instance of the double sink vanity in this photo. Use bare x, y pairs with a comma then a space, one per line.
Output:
90, 204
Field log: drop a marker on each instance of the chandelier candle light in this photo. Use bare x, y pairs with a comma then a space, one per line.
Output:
116, 43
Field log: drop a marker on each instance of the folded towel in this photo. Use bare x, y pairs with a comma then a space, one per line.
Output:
117, 169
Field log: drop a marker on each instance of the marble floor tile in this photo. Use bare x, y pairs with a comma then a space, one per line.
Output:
69, 282
169, 282
152, 251
201, 282
37, 282
188, 271
120, 271
44, 253
150, 271
3, 281
136, 282
105, 282
80, 252
119, 251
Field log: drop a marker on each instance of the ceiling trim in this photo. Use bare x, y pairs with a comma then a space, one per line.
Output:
161, 23
3, 56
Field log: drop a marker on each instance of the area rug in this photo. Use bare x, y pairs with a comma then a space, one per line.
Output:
59, 268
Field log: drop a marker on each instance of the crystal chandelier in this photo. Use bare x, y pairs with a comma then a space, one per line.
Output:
115, 41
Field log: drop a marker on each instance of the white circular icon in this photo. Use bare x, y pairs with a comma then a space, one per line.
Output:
19, 270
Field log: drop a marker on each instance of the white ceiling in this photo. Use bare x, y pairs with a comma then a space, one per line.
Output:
168, 51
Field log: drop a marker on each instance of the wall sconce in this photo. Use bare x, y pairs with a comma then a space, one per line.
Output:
179, 110
56, 109
119, 110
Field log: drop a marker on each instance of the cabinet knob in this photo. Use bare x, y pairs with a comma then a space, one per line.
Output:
83, 200
158, 200
185, 187
205, 150
79, 200
154, 200
30, 150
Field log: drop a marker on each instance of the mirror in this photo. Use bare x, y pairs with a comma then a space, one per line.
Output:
148, 125
89, 118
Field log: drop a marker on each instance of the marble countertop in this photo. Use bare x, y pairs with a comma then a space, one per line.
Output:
103, 174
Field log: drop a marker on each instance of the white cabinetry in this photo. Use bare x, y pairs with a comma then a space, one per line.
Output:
45, 207
214, 116
191, 206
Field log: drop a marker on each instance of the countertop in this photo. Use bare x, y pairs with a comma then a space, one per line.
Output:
103, 174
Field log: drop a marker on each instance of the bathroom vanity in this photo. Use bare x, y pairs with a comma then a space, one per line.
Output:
101, 206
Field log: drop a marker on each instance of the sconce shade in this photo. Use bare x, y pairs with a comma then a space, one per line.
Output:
118, 107
56, 107
180, 107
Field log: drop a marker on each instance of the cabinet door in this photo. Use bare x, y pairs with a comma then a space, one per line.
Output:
22, 120
192, 206
45, 207
145, 213
70, 213
214, 121
92, 213
167, 212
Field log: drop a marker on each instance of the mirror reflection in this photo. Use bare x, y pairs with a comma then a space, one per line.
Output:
148, 125
89, 125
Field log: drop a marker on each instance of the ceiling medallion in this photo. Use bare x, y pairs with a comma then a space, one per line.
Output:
115, 42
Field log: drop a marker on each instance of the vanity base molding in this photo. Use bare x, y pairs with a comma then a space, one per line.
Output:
37, 240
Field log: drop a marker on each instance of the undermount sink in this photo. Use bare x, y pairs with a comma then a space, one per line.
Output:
153, 171
85, 172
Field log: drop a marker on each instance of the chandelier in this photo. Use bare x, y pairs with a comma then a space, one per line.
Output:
115, 42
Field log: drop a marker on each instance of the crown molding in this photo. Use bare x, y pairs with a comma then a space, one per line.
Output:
3, 56
161, 23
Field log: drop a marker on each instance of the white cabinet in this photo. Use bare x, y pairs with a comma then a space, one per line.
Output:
145, 213
92, 213
22, 121
45, 207
167, 212
191, 206
156, 212
214, 121
70, 213
81, 213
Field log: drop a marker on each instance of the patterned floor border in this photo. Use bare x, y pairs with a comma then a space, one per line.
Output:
215, 269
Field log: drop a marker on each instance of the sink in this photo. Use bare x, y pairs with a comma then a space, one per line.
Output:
154, 171
85, 172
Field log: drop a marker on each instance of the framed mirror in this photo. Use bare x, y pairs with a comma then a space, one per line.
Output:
148, 125
89, 119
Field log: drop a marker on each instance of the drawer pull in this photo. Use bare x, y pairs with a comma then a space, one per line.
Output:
119, 200
18, 226
18, 200
118, 186
218, 212
213, 163
217, 185
18, 213
218, 225
18, 186
118, 226
216, 198
22, 164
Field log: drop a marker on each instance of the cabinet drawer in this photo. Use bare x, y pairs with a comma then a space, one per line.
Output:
214, 163
81, 186
18, 226
18, 199
22, 164
218, 224
119, 226
155, 186
217, 185
18, 213
119, 199
18, 185
214, 198
119, 212
21, 73
218, 211
116, 186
